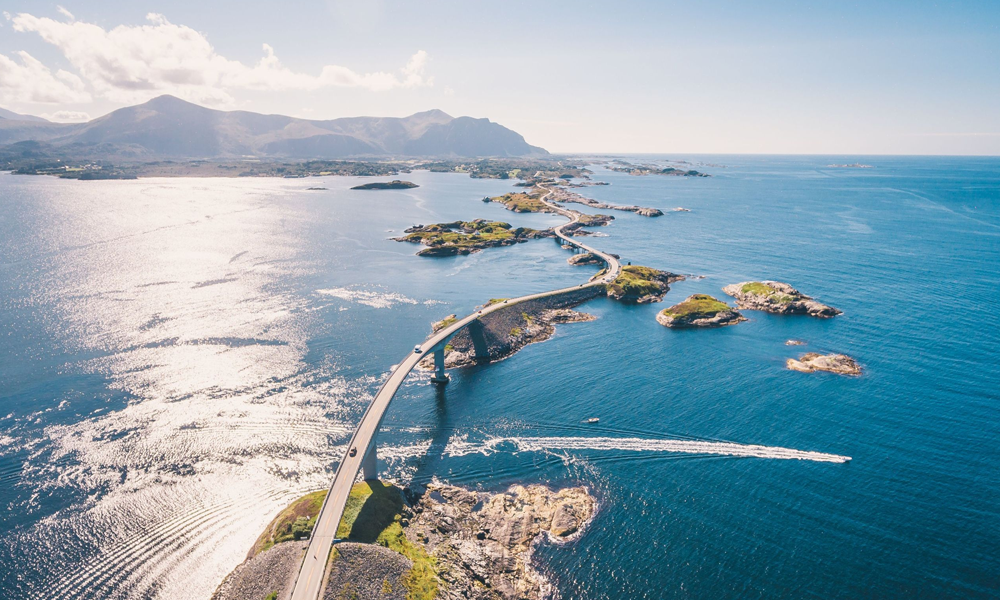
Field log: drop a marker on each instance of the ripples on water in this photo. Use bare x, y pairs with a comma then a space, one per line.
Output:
183, 357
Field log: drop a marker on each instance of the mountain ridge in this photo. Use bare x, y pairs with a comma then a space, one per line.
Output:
168, 127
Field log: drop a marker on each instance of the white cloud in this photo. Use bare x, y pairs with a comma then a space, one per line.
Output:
31, 81
67, 116
62, 10
135, 63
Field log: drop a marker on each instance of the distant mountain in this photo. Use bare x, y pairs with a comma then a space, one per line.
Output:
13, 116
167, 127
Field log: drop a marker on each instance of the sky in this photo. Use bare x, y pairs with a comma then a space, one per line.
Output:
809, 77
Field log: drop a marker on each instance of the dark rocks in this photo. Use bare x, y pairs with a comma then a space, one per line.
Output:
365, 572
270, 571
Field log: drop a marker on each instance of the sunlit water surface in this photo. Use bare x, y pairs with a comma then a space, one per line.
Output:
179, 358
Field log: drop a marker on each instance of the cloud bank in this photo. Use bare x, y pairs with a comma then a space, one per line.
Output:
131, 64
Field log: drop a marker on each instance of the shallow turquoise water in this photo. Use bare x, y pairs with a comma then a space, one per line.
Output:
181, 357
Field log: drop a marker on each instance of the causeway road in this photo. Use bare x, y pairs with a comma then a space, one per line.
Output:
309, 581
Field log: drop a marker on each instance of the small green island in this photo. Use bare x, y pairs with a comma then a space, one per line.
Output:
395, 184
521, 202
699, 310
777, 297
639, 285
466, 237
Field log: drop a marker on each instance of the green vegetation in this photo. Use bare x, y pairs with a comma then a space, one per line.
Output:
271, 596
697, 306
495, 301
636, 282
446, 322
516, 331
293, 523
373, 515
762, 289
464, 237
521, 202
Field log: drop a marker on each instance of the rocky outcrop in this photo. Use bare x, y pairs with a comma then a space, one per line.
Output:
585, 259
507, 331
270, 571
466, 237
482, 541
366, 572
639, 285
831, 363
777, 297
699, 310
566, 196
795, 343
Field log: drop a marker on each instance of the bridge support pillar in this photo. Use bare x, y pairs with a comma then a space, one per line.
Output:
440, 376
479, 341
369, 464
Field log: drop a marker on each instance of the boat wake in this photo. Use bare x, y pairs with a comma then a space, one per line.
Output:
460, 446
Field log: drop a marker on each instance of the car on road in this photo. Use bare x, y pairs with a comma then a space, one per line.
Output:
353, 452
417, 349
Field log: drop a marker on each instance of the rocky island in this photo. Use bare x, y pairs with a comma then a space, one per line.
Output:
621, 166
395, 184
418, 544
507, 331
568, 197
466, 237
639, 285
811, 362
699, 310
777, 297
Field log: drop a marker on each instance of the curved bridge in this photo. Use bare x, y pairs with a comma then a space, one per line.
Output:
309, 581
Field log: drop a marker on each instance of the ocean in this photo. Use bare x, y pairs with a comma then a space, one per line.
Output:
180, 358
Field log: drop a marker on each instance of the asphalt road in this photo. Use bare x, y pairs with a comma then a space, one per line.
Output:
309, 581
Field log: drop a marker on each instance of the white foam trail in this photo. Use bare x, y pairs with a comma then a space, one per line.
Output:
460, 446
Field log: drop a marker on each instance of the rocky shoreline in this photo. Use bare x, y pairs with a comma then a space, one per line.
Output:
466, 237
437, 542
777, 297
640, 285
699, 310
522, 328
565, 196
812, 362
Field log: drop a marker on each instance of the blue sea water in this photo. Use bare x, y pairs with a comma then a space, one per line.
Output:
179, 358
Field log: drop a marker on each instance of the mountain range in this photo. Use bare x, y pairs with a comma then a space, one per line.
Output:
170, 128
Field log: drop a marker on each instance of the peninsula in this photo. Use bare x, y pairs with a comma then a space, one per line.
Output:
412, 543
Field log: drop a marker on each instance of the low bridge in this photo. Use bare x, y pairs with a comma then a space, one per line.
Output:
309, 580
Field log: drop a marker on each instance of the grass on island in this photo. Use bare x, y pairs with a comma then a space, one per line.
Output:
637, 281
271, 596
372, 515
293, 523
521, 202
495, 301
696, 307
445, 323
466, 234
592, 220
762, 289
